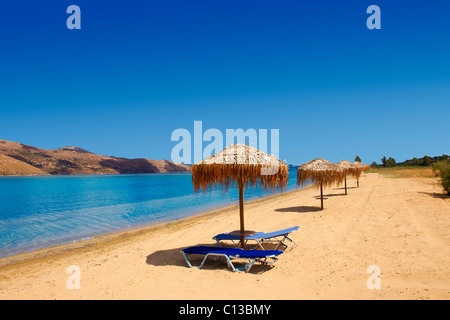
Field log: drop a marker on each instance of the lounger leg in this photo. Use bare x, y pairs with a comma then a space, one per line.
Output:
236, 244
245, 268
290, 240
187, 260
230, 264
190, 264
260, 244
203, 262
249, 265
266, 262
280, 242
206, 258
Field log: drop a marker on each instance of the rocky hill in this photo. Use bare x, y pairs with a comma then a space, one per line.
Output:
20, 159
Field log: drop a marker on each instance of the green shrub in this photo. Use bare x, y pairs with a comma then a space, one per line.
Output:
442, 168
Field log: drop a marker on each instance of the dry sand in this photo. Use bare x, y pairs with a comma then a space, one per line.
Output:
400, 225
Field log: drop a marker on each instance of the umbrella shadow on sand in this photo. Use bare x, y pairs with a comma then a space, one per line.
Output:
299, 209
174, 257
305, 209
326, 196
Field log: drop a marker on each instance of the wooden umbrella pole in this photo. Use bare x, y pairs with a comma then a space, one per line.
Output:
321, 195
345, 184
357, 181
241, 213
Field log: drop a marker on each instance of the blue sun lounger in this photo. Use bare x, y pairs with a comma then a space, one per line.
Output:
281, 237
251, 256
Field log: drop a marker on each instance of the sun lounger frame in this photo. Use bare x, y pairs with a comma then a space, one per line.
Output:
280, 238
266, 260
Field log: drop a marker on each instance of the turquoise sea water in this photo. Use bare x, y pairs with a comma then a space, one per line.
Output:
37, 212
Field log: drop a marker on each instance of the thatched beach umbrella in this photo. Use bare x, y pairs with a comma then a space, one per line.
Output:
321, 173
349, 169
242, 166
364, 167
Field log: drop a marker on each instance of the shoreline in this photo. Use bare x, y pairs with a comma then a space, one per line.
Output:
92, 174
209, 206
56, 249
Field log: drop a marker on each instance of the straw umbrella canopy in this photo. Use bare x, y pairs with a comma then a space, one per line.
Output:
241, 166
321, 173
349, 169
364, 167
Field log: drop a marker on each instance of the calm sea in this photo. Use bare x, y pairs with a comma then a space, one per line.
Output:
37, 212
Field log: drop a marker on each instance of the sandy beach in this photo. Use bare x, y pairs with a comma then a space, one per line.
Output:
400, 225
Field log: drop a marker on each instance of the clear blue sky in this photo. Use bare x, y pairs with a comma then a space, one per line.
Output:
137, 70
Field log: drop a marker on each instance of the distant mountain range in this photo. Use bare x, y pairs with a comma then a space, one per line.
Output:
17, 159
